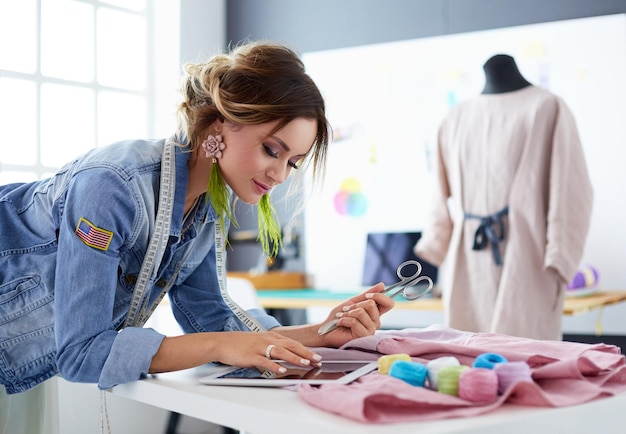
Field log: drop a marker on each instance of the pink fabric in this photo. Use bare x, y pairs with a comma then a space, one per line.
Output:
564, 373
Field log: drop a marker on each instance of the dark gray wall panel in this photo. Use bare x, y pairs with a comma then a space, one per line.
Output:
326, 24
468, 16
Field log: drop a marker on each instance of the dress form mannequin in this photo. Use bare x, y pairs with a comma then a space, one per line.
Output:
512, 164
502, 75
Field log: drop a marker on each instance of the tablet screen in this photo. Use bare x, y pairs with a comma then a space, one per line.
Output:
330, 372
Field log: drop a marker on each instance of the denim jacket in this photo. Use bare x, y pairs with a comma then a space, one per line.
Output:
71, 248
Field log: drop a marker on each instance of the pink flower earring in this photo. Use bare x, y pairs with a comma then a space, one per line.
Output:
213, 146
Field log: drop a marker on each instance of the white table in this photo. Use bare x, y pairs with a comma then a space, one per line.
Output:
277, 411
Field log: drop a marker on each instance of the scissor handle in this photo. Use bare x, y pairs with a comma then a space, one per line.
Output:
407, 281
402, 266
409, 296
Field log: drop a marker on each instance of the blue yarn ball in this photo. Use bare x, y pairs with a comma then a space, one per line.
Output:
411, 372
488, 360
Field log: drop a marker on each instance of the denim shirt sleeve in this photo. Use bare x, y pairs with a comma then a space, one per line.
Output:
89, 349
132, 348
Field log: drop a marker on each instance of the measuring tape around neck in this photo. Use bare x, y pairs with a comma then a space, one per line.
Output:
139, 312
220, 266
158, 241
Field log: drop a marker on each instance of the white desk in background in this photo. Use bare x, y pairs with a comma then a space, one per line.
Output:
256, 410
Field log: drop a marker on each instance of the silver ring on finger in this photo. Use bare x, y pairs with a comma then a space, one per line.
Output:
268, 351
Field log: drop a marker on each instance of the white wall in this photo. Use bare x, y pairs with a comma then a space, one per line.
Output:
202, 29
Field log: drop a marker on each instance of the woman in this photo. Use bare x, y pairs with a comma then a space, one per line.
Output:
74, 249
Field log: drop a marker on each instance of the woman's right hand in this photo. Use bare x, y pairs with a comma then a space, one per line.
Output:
249, 349
243, 349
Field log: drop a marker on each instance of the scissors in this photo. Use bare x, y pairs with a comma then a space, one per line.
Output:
405, 287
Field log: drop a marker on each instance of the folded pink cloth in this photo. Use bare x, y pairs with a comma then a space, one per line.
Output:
564, 373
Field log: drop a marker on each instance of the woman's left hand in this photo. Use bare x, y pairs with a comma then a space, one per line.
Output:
358, 317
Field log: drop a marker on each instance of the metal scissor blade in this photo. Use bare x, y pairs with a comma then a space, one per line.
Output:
328, 327
390, 289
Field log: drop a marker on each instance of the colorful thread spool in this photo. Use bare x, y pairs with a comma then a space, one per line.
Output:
488, 360
435, 365
448, 379
411, 372
586, 277
384, 362
512, 373
478, 385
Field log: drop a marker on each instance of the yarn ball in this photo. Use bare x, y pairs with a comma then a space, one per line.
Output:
448, 379
478, 385
488, 360
512, 373
586, 277
435, 365
384, 362
411, 372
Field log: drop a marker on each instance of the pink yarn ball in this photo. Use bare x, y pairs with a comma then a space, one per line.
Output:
478, 385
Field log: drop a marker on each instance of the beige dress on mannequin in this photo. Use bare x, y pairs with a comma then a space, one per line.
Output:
519, 149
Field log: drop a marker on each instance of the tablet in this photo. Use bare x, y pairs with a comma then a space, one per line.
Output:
333, 371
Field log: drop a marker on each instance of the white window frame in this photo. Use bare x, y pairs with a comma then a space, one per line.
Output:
159, 95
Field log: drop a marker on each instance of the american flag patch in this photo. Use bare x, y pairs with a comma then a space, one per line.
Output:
93, 236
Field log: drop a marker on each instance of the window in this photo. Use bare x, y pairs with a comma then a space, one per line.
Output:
76, 74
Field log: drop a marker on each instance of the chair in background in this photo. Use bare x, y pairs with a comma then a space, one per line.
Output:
243, 292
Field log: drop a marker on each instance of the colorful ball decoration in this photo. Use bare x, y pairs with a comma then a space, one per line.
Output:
350, 200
